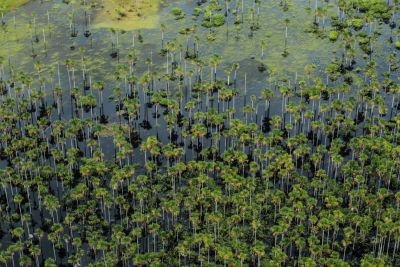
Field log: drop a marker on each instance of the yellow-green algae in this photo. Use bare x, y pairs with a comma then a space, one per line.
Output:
128, 14
13, 38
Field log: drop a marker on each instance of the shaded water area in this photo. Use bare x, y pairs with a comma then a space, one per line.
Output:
98, 93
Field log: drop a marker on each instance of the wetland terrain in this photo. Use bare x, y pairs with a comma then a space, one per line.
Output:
199, 133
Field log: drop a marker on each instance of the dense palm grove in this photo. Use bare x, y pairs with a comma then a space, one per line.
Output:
189, 169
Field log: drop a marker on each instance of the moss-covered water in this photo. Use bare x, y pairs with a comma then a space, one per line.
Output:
233, 42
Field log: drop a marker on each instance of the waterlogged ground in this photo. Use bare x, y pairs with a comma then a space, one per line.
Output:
7, 5
76, 43
232, 43
128, 15
52, 19
49, 36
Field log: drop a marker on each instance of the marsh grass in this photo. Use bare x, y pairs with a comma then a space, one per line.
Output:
128, 15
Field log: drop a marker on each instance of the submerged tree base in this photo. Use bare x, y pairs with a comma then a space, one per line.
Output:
128, 15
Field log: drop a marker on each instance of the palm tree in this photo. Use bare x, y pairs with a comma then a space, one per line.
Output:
214, 61
259, 250
163, 28
267, 96
262, 47
152, 145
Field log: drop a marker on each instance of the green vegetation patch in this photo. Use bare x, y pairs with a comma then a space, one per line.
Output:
7, 5
128, 15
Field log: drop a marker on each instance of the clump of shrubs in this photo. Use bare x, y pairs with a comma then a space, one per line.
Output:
397, 44
333, 35
215, 21
357, 24
178, 13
